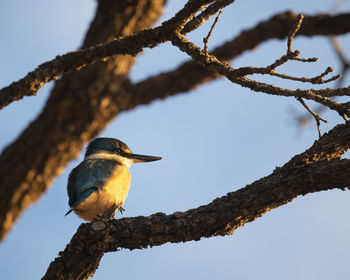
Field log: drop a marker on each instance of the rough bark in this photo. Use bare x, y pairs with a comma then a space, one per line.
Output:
134, 44
190, 75
131, 45
319, 168
79, 107
83, 103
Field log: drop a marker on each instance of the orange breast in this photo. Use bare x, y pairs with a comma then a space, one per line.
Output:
113, 192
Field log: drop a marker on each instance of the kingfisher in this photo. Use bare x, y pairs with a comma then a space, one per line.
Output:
100, 183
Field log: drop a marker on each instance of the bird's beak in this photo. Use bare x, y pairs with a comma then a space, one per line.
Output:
141, 158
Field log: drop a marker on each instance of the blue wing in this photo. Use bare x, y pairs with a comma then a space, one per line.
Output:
88, 177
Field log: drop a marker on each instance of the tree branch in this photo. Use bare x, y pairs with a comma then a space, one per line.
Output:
73, 61
132, 45
83, 103
76, 111
237, 76
197, 21
319, 168
190, 75
206, 39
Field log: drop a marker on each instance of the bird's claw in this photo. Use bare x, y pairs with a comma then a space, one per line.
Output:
121, 210
109, 213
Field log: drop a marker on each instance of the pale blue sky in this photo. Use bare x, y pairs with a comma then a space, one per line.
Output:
214, 140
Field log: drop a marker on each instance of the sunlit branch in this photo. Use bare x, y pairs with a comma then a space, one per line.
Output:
235, 76
317, 117
134, 44
212, 9
206, 39
317, 169
73, 61
24, 184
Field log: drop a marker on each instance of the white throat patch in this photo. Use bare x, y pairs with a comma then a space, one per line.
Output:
106, 155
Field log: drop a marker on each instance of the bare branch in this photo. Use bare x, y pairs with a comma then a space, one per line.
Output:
178, 22
131, 45
341, 56
235, 76
190, 74
294, 31
206, 39
316, 116
339, 52
313, 80
302, 118
73, 61
79, 107
317, 169
197, 21
85, 106
291, 55
269, 70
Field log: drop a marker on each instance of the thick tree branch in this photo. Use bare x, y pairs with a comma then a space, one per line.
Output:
306, 173
190, 75
132, 45
78, 108
83, 103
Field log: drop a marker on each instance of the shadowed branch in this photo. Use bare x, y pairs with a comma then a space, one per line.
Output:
131, 45
319, 168
87, 100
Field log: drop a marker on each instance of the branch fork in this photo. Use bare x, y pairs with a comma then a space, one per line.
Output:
239, 75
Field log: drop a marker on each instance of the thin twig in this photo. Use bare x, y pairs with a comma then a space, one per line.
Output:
341, 56
224, 69
32, 82
294, 55
243, 71
198, 20
27, 189
294, 31
345, 67
338, 50
73, 61
206, 39
317, 117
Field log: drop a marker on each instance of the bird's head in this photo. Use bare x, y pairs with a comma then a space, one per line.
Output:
111, 148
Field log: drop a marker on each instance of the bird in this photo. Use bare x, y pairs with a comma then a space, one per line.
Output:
99, 185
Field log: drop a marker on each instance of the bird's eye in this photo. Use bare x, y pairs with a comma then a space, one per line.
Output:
119, 151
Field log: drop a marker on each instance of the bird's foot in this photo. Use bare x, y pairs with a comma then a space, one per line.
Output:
109, 213
121, 209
